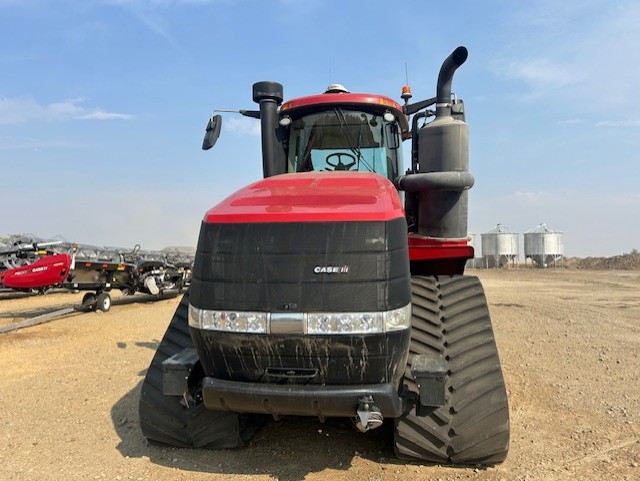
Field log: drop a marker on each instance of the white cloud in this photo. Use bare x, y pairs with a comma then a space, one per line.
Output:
543, 73
574, 53
144, 11
618, 123
242, 126
20, 110
100, 115
147, 12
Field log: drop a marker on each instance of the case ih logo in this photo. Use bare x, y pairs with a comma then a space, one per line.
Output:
331, 269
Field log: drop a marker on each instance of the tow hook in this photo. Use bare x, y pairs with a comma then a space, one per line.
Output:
368, 415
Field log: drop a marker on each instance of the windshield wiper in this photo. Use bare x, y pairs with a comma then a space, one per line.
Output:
353, 146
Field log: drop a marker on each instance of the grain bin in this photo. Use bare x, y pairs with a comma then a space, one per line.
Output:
500, 247
475, 262
544, 246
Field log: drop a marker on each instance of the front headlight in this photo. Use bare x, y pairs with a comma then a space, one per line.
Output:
344, 323
312, 323
230, 321
397, 319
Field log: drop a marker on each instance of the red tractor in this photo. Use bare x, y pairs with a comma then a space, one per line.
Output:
335, 286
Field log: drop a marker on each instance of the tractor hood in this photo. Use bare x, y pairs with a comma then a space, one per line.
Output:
311, 197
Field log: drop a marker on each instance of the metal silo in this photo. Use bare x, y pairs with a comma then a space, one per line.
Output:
544, 246
476, 262
500, 247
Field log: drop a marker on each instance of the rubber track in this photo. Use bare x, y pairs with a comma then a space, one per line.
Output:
164, 419
450, 316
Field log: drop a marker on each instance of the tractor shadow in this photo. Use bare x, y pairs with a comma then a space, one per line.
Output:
287, 450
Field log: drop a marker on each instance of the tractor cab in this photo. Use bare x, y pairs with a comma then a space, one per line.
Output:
341, 131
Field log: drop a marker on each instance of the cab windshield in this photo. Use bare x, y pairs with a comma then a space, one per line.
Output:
339, 140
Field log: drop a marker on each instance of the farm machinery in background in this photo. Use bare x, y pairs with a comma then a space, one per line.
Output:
38, 266
316, 292
29, 264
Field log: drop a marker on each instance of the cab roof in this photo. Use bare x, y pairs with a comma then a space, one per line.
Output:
344, 99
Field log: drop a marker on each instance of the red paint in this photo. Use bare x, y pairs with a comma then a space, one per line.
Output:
427, 248
431, 256
341, 99
46, 271
311, 197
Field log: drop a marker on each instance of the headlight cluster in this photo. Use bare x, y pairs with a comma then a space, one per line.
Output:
344, 323
314, 323
232, 321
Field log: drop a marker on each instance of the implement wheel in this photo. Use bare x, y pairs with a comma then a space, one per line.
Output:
89, 302
103, 301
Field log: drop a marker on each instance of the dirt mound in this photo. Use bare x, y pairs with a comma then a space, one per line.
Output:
189, 250
630, 261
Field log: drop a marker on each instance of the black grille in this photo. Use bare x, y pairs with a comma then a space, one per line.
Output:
272, 266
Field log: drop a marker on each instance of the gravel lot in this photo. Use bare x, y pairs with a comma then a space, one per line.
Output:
569, 343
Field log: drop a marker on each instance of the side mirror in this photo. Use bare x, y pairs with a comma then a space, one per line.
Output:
212, 132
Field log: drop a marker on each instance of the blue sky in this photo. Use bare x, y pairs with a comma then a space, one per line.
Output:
103, 105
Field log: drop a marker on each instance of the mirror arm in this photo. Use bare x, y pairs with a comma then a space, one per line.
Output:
255, 114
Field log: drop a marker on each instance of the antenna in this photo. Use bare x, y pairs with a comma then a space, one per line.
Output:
406, 90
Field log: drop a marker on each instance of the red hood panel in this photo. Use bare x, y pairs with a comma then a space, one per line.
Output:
311, 197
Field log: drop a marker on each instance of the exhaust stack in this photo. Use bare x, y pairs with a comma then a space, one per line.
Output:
443, 176
269, 95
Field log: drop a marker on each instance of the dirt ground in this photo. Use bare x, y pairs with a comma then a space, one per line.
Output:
570, 348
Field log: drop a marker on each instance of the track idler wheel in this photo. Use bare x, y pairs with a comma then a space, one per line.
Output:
451, 319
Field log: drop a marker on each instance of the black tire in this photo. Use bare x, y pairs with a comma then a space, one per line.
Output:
103, 302
89, 302
450, 316
164, 419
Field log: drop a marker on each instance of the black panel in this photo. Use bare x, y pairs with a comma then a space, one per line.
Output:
338, 360
270, 266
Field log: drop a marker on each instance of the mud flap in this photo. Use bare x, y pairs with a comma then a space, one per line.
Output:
429, 375
176, 370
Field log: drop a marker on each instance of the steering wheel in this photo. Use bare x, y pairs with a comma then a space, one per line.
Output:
339, 164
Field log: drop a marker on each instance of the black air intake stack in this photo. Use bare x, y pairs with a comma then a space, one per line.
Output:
269, 95
443, 176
